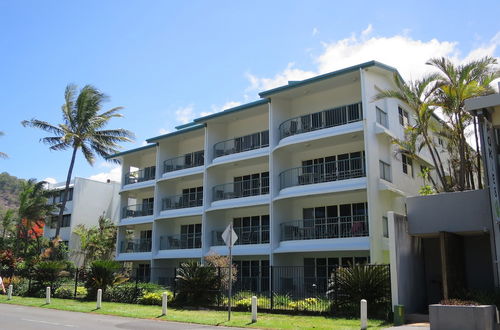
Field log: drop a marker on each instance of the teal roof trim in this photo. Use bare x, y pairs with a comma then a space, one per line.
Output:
232, 110
325, 76
131, 151
188, 129
185, 125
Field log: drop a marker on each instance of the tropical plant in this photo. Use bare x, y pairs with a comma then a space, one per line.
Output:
102, 275
49, 273
8, 222
129, 292
196, 285
2, 154
155, 298
351, 284
97, 242
82, 129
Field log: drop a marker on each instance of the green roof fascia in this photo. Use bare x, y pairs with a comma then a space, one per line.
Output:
329, 75
181, 131
130, 151
186, 125
232, 110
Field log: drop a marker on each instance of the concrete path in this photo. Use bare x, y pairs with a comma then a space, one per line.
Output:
14, 317
414, 326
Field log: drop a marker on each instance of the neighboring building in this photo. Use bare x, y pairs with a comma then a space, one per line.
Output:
307, 175
86, 202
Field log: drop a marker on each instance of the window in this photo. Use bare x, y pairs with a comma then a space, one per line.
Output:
143, 273
440, 142
385, 171
404, 118
252, 230
58, 196
251, 185
191, 236
252, 275
382, 117
332, 168
191, 197
407, 165
66, 221
385, 226
317, 271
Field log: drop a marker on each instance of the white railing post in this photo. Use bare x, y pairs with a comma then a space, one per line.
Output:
99, 299
254, 309
164, 303
47, 295
364, 315
9, 292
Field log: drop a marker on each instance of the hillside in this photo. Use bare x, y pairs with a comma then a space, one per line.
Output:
9, 190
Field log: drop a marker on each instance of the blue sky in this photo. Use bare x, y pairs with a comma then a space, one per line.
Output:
167, 62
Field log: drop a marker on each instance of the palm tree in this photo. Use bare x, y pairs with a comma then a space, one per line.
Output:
82, 129
458, 83
418, 95
7, 222
2, 154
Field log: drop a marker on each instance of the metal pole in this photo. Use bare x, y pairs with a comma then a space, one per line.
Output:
230, 271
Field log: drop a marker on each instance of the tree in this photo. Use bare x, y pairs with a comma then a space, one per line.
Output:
97, 242
8, 222
82, 129
2, 154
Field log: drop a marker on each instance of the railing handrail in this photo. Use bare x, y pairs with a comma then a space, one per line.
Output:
240, 231
180, 241
138, 245
359, 104
172, 198
324, 164
193, 163
140, 174
240, 137
258, 146
149, 204
238, 182
262, 189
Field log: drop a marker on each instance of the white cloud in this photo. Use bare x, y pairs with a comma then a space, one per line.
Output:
163, 131
401, 51
144, 143
315, 31
115, 174
50, 180
185, 114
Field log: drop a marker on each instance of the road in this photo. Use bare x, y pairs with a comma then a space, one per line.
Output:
13, 317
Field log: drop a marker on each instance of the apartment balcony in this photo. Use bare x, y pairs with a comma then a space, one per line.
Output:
182, 205
324, 172
252, 142
184, 165
180, 242
140, 178
135, 246
240, 193
247, 235
136, 211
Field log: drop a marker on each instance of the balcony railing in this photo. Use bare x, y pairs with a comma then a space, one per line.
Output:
239, 189
192, 159
137, 210
320, 120
181, 241
385, 171
246, 235
145, 174
325, 172
182, 201
338, 227
135, 245
241, 144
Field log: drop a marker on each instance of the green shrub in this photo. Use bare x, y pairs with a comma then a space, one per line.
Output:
281, 300
102, 275
243, 304
127, 293
81, 292
64, 292
155, 298
196, 285
49, 273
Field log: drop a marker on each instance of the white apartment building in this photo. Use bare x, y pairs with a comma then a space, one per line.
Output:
86, 202
306, 174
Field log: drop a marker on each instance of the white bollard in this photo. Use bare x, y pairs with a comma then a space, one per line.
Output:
164, 299
99, 299
9, 292
47, 295
364, 314
254, 309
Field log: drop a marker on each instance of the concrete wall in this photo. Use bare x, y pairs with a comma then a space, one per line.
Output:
460, 212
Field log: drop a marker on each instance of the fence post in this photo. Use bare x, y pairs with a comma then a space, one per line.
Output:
136, 284
99, 299
9, 292
47, 295
271, 286
164, 303
364, 314
254, 309
76, 284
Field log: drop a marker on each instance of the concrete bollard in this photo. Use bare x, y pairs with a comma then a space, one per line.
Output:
9, 292
364, 314
47, 295
164, 299
99, 299
254, 309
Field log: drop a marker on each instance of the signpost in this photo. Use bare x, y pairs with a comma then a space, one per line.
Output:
229, 237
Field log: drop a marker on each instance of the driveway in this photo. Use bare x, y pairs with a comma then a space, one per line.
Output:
13, 317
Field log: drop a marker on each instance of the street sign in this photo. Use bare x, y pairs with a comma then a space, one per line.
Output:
229, 236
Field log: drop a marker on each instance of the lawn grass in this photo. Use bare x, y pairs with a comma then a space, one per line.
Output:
210, 317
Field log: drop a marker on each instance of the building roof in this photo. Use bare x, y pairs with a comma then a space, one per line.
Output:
232, 110
188, 128
131, 151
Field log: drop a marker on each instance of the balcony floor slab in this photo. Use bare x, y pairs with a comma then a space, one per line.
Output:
178, 254
178, 213
327, 244
134, 256
239, 202
323, 188
181, 173
256, 153
242, 250
136, 220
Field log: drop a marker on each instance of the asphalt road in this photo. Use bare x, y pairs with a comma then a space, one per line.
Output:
13, 317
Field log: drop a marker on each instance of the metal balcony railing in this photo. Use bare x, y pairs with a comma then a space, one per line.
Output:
189, 160
137, 210
135, 245
239, 189
180, 241
246, 235
241, 144
182, 201
325, 172
319, 120
145, 174
338, 227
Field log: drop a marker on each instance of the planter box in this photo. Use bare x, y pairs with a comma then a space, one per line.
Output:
444, 317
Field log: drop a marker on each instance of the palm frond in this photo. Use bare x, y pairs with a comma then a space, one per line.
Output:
43, 125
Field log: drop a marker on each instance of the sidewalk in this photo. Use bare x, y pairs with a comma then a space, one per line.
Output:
413, 326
